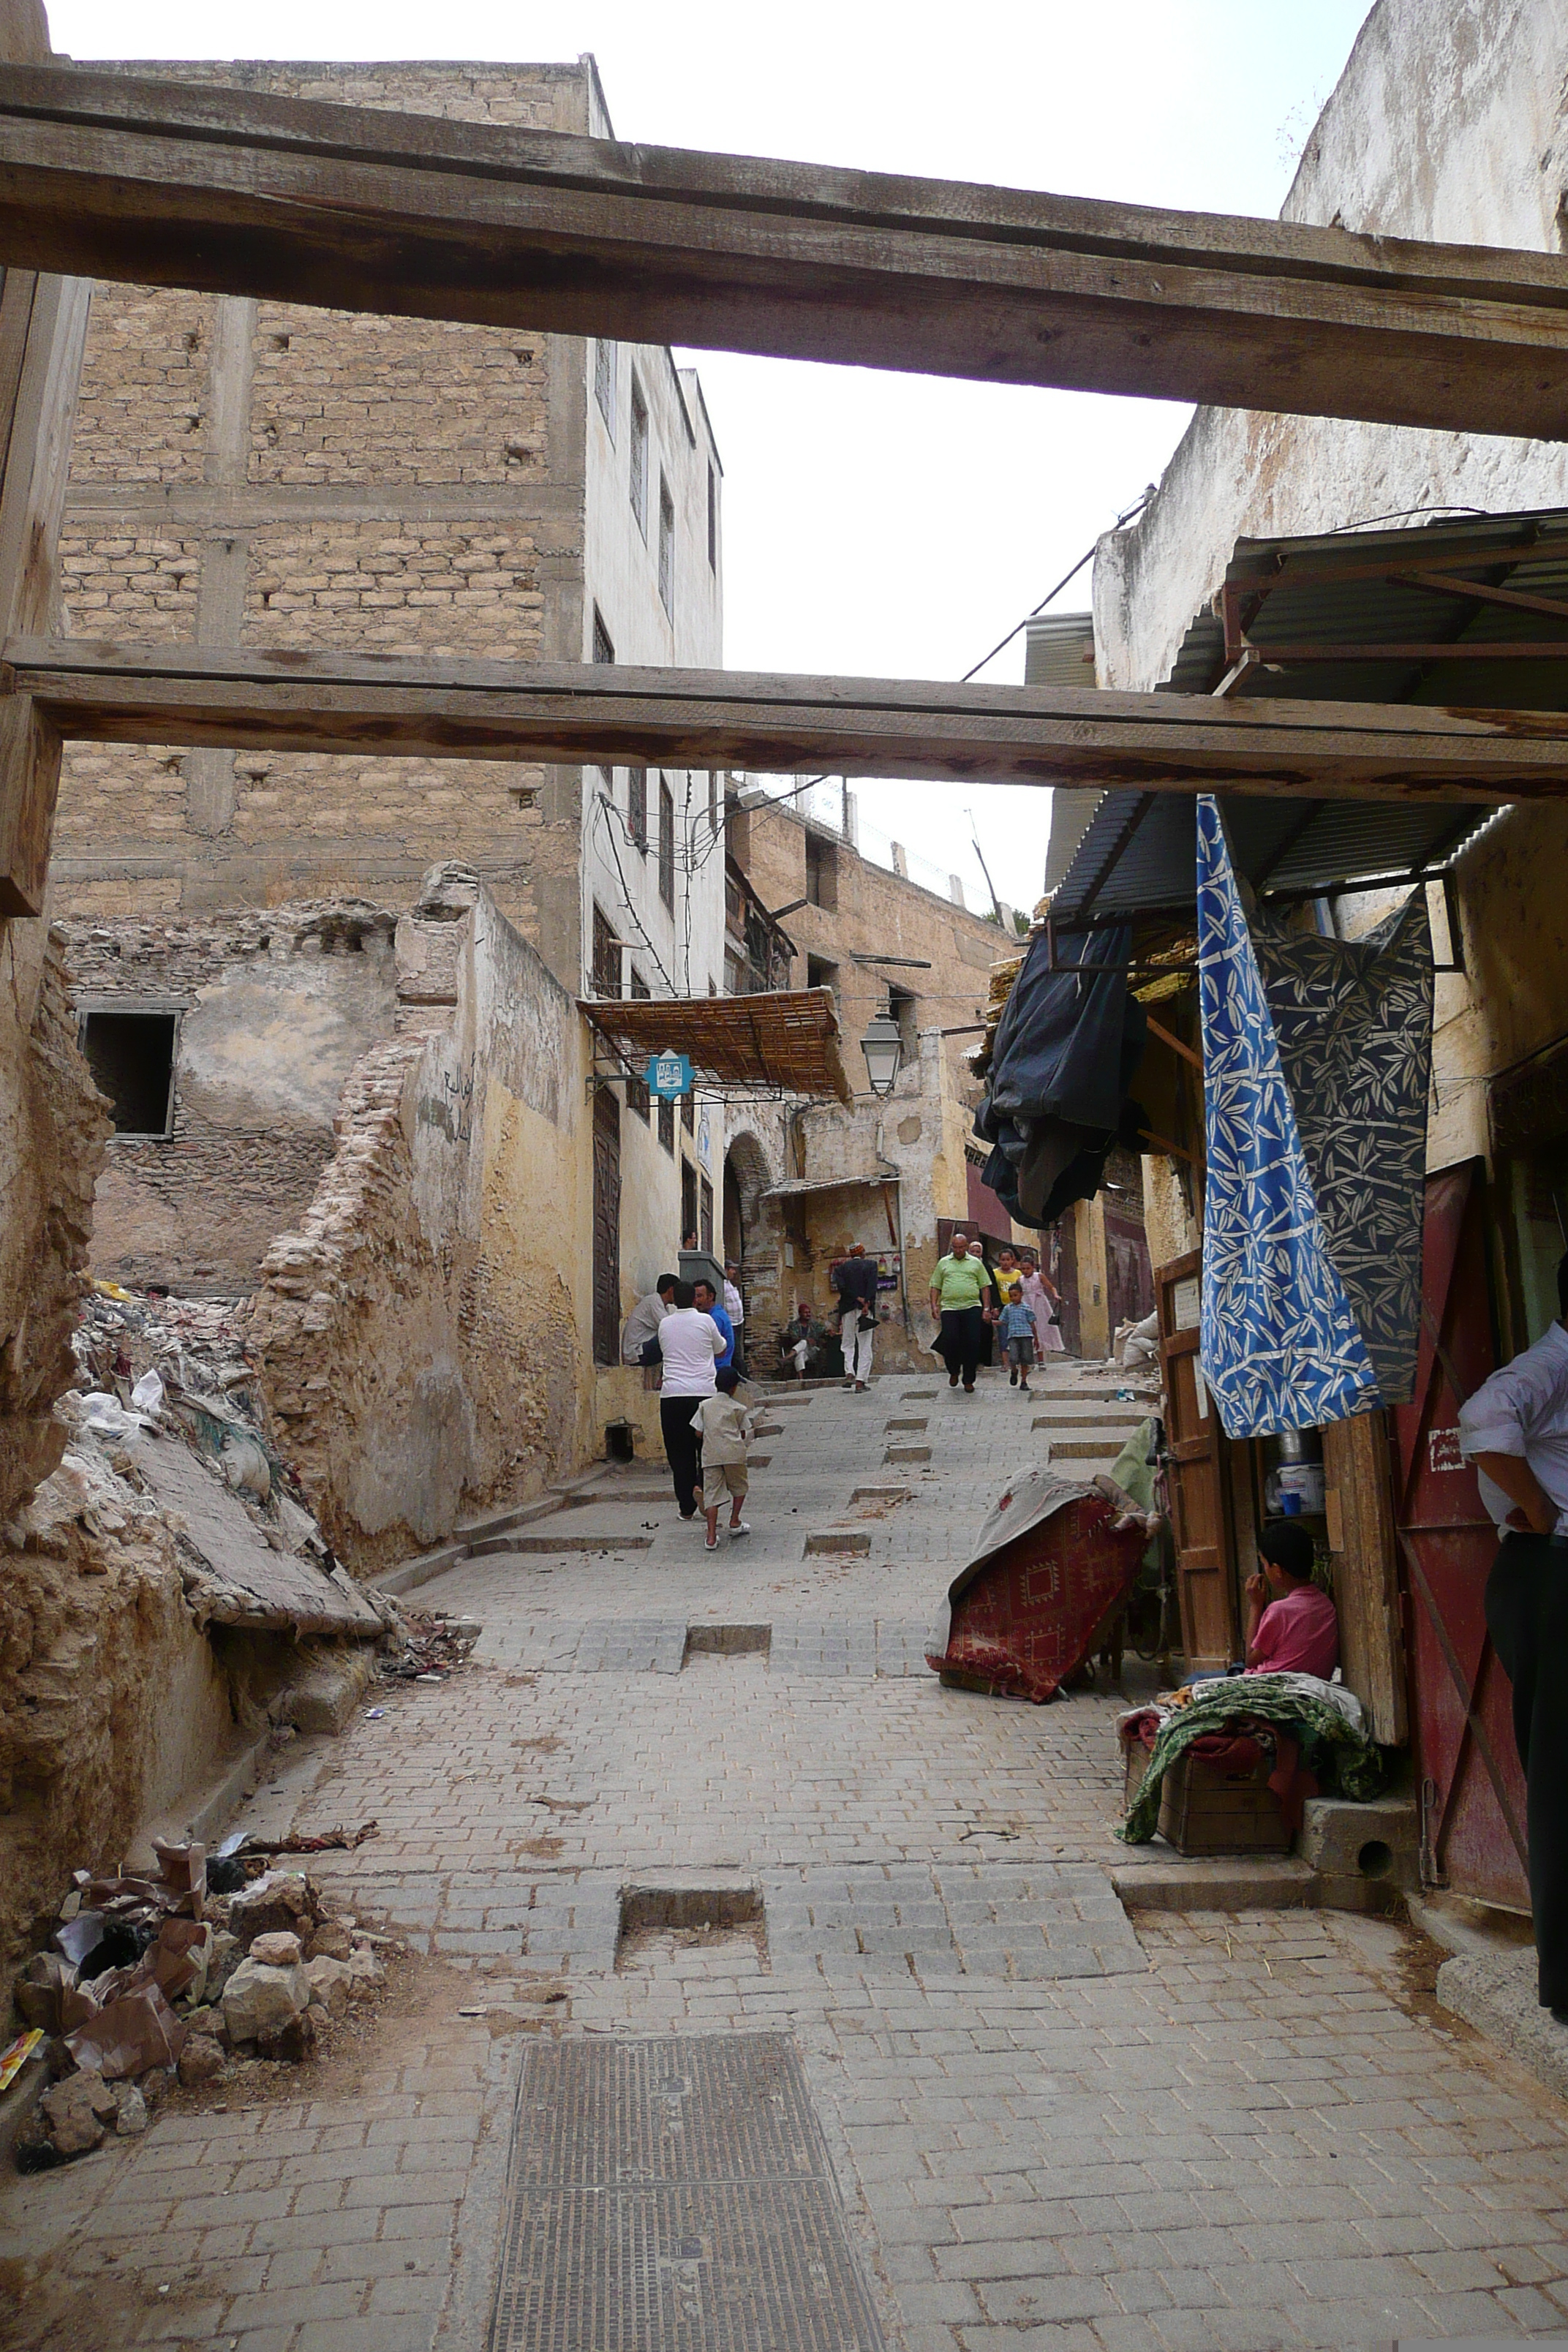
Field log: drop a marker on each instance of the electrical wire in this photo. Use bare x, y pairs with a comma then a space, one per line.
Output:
1001, 646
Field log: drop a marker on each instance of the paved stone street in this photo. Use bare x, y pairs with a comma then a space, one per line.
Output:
681, 1793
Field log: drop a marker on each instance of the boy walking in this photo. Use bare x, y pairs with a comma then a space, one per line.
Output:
726, 1429
1020, 1336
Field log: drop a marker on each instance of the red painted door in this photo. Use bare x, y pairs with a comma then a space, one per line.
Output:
1471, 1789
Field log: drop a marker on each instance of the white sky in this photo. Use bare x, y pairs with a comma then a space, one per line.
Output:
881, 525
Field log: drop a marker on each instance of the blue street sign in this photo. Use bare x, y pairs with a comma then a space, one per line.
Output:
669, 1075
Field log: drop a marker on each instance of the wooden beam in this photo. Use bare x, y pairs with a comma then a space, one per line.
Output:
43, 328
238, 191
249, 699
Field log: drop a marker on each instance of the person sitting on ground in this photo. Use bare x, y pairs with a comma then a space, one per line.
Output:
639, 1342
1020, 1338
706, 1302
798, 1338
1297, 1631
854, 1278
691, 1344
726, 1426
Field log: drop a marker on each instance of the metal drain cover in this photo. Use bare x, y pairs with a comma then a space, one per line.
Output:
674, 2196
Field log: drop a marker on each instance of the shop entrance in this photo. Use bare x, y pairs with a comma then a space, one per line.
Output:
1471, 1789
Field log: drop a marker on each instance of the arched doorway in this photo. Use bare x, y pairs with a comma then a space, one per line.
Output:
746, 1178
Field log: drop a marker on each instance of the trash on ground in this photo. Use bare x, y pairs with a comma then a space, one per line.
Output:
171, 1976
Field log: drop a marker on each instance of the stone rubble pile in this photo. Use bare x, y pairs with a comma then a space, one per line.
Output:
147, 1981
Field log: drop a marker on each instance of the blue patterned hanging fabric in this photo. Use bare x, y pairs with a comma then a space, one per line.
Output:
1317, 1060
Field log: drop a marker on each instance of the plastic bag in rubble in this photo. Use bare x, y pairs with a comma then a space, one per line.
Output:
107, 1417
243, 1463
147, 1395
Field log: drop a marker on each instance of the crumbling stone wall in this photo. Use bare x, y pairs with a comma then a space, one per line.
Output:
275, 1006
423, 1335
111, 1699
52, 1131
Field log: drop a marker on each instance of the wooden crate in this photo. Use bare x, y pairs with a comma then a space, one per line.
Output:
1202, 1811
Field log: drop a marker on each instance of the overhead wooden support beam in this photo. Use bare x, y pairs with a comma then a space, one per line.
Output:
252, 700
240, 193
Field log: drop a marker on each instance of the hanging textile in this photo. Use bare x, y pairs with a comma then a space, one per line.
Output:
1316, 1061
1055, 1103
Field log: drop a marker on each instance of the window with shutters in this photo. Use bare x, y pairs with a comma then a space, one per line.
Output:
667, 1124
603, 644
705, 1224
606, 956
637, 1096
688, 1116
666, 845
665, 547
712, 519
638, 482
688, 1201
637, 807
605, 384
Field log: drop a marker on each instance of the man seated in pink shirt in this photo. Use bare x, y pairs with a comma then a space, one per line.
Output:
1297, 1631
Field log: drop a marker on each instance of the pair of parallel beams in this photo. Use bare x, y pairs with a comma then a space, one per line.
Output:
235, 192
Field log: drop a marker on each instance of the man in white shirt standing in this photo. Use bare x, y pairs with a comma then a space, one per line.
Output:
1515, 1430
735, 1309
691, 1345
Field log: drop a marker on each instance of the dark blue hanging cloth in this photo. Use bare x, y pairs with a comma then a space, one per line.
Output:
1057, 1100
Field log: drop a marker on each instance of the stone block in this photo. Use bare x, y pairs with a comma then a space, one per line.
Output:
326, 1694
276, 1950
77, 2112
366, 1974
260, 2000
280, 1901
854, 1541
329, 1980
1374, 1844
201, 2061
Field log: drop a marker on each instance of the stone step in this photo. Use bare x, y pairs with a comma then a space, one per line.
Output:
559, 1543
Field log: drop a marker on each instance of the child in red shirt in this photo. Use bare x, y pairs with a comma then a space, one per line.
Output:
1297, 1631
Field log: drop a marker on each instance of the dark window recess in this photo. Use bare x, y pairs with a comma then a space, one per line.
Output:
604, 382
636, 806
603, 644
901, 1006
687, 1115
638, 1098
712, 800
667, 1123
821, 872
665, 547
606, 1227
713, 521
706, 1226
131, 1057
606, 978
638, 483
820, 973
666, 845
688, 1199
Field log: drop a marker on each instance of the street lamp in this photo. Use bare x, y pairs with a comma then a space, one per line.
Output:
884, 1050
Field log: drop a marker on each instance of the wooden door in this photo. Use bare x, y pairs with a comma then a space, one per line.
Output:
1129, 1280
1200, 1513
606, 1227
1472, 1791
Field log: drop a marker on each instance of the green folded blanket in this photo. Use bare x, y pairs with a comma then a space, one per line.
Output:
1356, 1762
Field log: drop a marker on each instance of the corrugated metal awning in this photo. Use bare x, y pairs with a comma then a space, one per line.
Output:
795, 1185
1459, 611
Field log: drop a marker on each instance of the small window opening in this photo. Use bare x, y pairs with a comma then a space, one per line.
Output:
638, 479
604, 644
820, 973
665, 547
637, 807
901, 1006
666, 845
131, 1057
603, 381
712, 519
821, 872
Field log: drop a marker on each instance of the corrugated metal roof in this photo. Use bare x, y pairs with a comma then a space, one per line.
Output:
1059, 649
1295, 600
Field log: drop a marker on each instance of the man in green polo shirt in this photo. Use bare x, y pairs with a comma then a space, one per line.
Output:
963, 1301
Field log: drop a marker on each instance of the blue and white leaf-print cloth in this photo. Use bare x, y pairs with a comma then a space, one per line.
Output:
1297, 1327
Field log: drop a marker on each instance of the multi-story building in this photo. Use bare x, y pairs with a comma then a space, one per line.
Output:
262, 473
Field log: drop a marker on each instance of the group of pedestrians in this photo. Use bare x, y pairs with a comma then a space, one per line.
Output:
1017, 1297
695, 1338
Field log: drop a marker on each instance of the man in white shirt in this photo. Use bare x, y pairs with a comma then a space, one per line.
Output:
639, 1341
735, 1309
691, 1345
1515, 1430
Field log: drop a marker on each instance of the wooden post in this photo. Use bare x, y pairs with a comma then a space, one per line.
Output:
1362, 1541
43, 328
